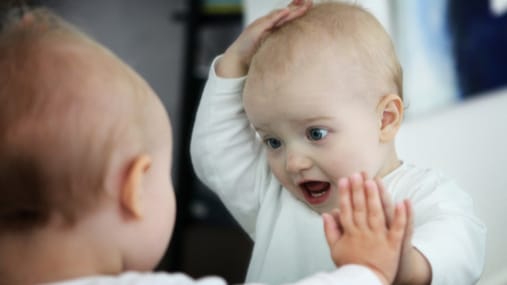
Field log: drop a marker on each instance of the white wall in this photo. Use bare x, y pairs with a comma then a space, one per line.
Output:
143, 34
468, 143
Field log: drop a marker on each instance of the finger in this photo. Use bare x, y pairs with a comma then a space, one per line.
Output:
265, 23
336, 215
364, 175
387, 202
399, 226
410, 223
358, 200
300, 4
406, 247
376, 219
297, 9
296, 3
330, 229
344, 201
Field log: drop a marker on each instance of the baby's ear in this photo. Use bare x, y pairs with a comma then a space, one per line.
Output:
131, 193
390, 110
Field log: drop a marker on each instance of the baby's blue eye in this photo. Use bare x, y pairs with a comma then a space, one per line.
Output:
316, 134
273, 143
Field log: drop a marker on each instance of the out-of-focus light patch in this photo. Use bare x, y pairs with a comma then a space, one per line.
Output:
498, 7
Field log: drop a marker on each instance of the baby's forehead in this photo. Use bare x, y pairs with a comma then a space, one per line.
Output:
313, 50
326, 69
331, 69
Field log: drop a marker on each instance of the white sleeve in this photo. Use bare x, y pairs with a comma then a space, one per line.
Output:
226, 154
345, 275
138, 278
449, 234
351, 274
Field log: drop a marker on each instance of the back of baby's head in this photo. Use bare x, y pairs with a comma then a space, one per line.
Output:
342, 28
63, 117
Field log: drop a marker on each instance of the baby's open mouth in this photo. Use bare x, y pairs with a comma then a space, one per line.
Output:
315, 192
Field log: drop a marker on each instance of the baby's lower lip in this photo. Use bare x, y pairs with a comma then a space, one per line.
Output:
315, 192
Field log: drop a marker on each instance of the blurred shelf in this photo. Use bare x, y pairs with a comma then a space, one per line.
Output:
201, 215
209, 17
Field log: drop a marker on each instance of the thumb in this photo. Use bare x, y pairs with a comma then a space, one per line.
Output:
399, 226
331, 229
409, 231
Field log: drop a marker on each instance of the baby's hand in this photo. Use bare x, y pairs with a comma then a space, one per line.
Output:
358, 233
237, 57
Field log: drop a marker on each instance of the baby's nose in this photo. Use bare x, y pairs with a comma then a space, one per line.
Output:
297, 162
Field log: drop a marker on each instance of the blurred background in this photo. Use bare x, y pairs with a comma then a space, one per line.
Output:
451, 51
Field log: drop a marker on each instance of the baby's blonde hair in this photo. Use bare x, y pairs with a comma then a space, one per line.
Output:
57, 138
344, 28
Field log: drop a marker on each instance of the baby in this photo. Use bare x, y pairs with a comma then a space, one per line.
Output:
322, 100
85, 163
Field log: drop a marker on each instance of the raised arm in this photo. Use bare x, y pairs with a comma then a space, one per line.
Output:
225, 152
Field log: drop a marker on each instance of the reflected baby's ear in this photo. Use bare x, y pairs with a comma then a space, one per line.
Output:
132, 190
390, 110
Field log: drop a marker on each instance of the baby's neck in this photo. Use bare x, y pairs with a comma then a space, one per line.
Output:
54, 255
391, 162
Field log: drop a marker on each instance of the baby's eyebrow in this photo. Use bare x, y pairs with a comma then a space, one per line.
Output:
258, 129
313, 119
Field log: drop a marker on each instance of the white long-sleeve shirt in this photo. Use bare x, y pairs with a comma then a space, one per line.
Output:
345, 275
289, 241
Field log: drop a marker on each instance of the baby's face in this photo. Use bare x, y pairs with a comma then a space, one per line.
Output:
316, 129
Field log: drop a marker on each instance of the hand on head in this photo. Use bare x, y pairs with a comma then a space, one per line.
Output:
238, 56
358, 233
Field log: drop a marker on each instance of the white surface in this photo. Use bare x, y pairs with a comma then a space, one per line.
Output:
424, 48
468, 143
498, 7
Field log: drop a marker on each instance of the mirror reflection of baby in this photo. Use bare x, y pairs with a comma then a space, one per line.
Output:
293, 106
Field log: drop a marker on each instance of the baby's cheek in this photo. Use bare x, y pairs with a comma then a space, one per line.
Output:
284, 179
339, 167
278, 168
350, 162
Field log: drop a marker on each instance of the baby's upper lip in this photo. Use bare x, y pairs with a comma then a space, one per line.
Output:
306, 180
303, 181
